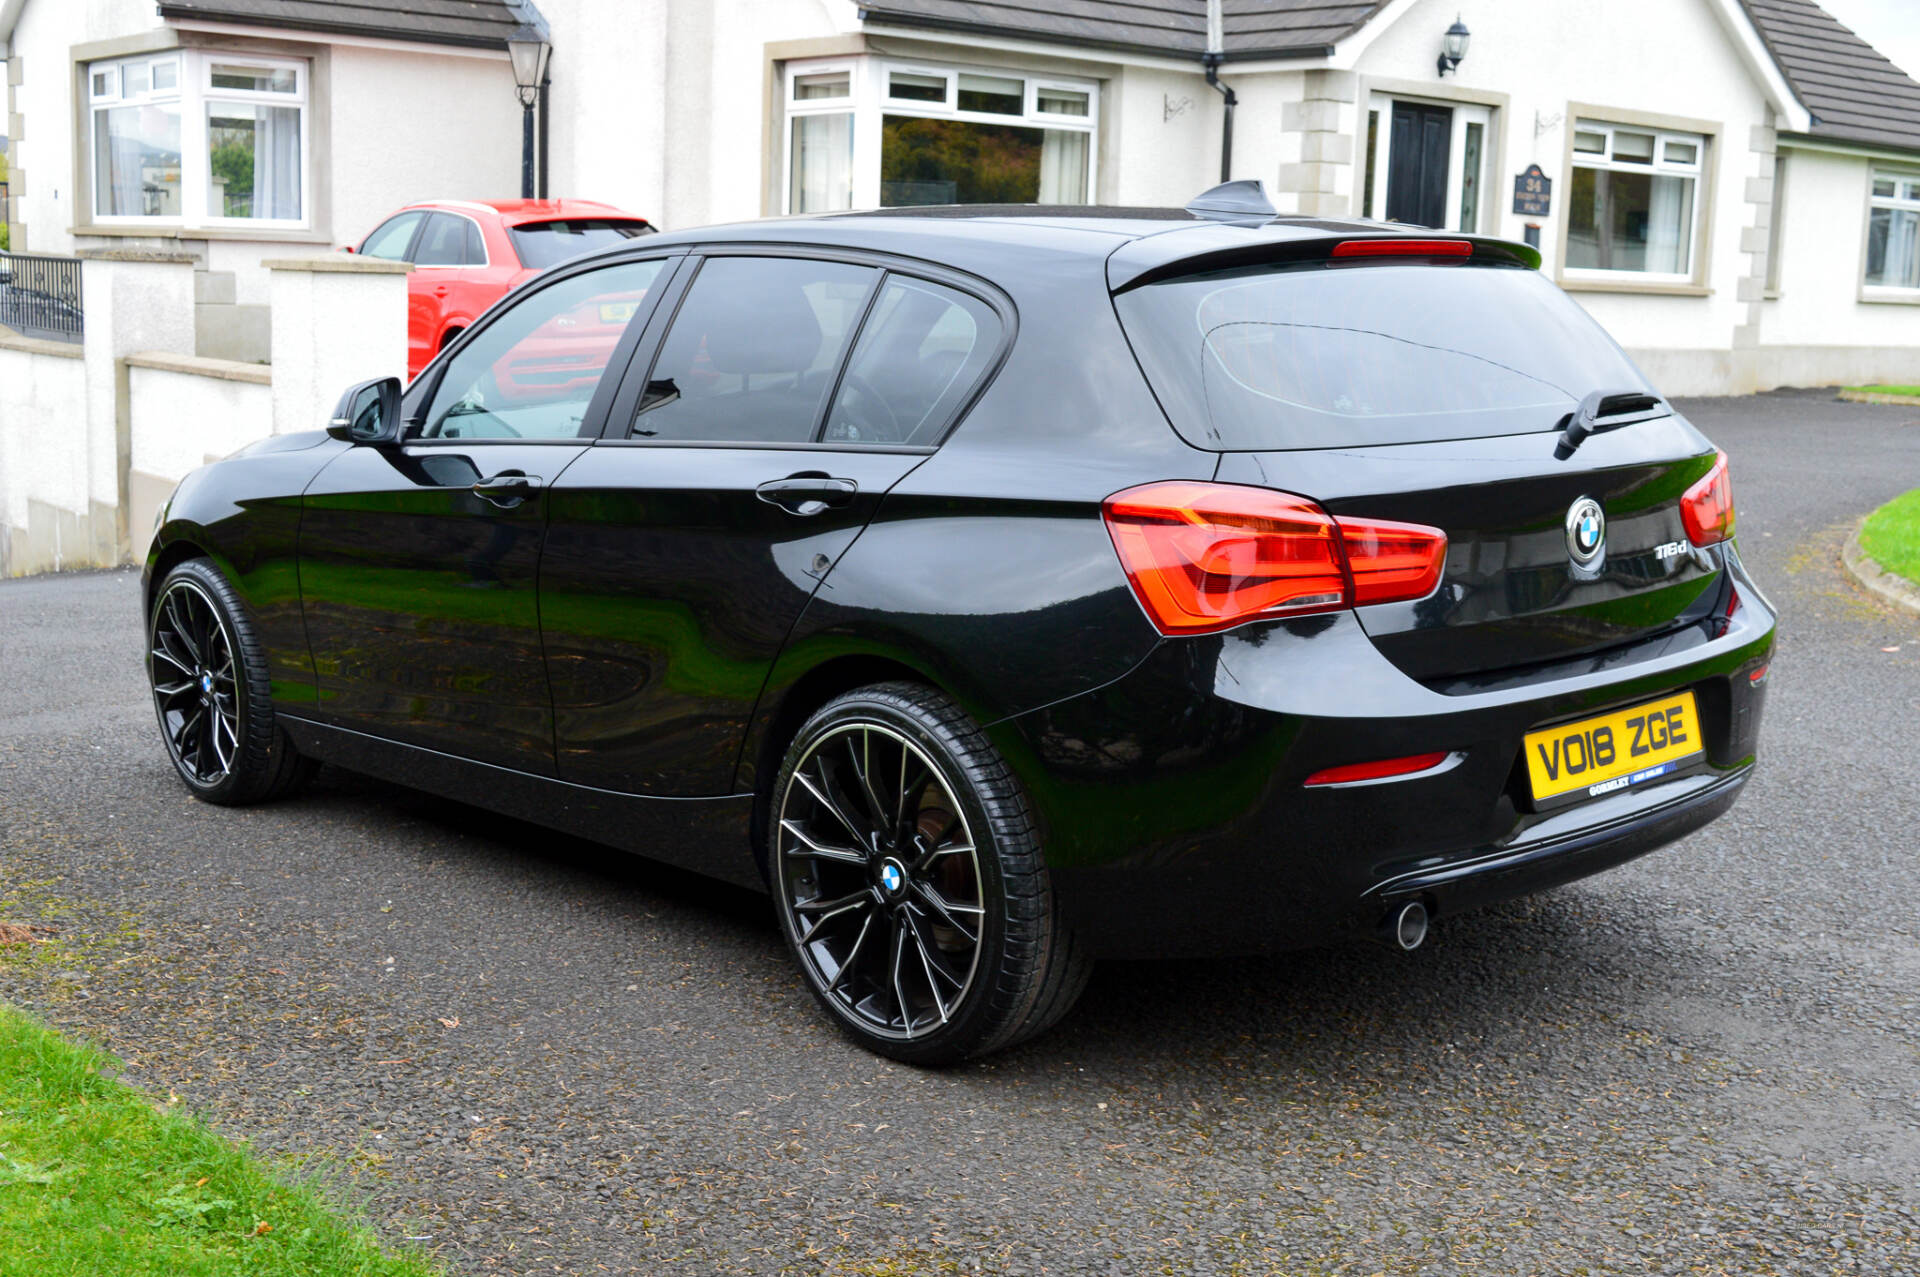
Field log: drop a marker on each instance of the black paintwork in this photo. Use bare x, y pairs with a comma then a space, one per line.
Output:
625, 650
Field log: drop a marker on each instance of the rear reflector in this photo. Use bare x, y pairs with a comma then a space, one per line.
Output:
1707, 507
1759, 676
1380, 770
1403, 248
1205, 557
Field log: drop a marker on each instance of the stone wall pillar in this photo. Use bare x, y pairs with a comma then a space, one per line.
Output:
133, 301
1756, 240
1320, 182
336, 320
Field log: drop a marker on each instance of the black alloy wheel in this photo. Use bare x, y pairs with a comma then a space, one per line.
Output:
209, 682
909, 883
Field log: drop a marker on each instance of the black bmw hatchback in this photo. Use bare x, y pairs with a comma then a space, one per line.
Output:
1001, 589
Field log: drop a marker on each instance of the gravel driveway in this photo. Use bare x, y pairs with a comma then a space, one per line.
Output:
544, 1057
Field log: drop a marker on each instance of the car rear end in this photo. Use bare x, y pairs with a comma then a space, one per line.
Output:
1410, 656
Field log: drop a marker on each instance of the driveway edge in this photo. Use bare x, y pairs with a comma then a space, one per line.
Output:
1897, 590
1868, 396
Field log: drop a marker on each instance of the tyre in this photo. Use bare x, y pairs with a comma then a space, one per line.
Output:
210, 692
909, 883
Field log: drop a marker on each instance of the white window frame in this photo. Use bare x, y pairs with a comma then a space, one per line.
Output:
193, 94
1660, 166
1905, 199
868, 101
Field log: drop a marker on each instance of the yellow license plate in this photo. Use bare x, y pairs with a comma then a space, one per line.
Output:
1614, 751
617, 312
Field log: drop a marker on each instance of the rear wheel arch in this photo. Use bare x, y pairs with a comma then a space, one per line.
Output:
760, 761
452, 335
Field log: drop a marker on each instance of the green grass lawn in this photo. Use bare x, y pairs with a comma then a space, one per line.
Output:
1891, 537
1913, 391
96, 1179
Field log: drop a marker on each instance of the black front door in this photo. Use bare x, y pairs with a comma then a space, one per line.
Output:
1417, 163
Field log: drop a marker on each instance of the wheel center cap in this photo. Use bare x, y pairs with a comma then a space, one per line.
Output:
893, 877
206, 684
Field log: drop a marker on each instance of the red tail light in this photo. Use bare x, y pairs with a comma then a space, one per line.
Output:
1380, 770
1403, 248
1204, 557
1707, 507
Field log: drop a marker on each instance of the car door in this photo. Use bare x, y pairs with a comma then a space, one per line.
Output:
444, 262
418, 560
739, 463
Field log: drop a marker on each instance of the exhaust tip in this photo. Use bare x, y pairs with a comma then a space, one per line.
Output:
1410, 926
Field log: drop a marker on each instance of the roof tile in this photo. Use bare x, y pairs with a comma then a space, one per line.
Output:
1853, 92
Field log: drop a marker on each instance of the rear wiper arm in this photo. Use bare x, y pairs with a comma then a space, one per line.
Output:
1596, 415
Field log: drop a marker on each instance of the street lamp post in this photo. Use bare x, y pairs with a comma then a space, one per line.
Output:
529, 50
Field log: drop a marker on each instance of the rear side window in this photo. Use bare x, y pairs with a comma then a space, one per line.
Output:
919, 355
753, 350
444, 242
1320, 356
544, 244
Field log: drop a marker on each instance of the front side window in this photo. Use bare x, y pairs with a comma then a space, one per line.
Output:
1893, 232
875, 133
1634, 200
532, 372
390, 239
199, 139
752, 353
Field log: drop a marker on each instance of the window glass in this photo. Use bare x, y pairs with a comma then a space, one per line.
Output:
752, 353
1590, 143
106, 82
993, 94
476, 246
827, 84
254, 79
1062, 101
919, 356
912, 87
544, 244
1682, 153
136, 159
1633, 148
1631, 222
137, 77
443, 243
166, 75
389, 240
531, 373
254, 160
1310, 357
1885, 187
821, 179
931, 161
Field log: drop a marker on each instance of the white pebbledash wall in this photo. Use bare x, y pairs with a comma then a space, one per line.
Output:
93, 437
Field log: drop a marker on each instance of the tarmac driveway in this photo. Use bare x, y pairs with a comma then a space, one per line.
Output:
545, 1057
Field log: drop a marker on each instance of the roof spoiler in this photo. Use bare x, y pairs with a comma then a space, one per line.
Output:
1242, 201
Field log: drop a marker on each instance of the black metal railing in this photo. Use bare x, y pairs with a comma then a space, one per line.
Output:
40, 296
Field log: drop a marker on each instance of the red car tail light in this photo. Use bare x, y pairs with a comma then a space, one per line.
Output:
1402, 248
1379, 770
1392, 561
1707, 507
1205, 557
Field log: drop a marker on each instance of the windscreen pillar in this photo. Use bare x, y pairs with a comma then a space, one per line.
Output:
1316, 169
336, 321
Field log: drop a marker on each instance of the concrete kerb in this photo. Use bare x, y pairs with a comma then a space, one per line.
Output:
1895, 589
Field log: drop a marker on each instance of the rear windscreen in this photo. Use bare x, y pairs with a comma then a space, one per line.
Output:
1321, 355
544, 244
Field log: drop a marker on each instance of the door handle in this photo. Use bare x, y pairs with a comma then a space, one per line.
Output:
508, 488
440, 290
808, 492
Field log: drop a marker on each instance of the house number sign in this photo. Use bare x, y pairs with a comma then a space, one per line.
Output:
1532, 193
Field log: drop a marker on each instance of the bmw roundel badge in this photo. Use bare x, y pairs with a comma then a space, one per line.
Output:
1586, 533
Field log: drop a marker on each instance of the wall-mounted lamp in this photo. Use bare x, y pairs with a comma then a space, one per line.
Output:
1453, 46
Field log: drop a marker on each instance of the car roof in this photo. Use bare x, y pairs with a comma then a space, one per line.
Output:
1134, 242
514, 212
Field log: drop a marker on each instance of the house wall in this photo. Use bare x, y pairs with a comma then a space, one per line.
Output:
44, 512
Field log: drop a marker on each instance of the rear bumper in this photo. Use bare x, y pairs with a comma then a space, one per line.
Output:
1176, 821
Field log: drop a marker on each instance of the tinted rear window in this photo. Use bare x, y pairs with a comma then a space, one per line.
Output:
1322, 356
544, 244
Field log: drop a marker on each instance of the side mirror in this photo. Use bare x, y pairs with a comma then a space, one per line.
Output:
368, 413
